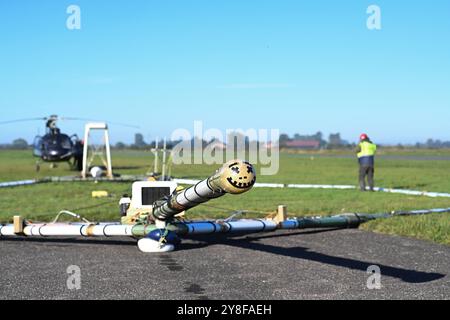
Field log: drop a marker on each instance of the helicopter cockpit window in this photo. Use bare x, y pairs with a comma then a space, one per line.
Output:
37, 142
65, 142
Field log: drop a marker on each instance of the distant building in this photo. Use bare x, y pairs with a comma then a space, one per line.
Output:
308, 142
270, 144
217, 145
139, 140
335, 141
303, 144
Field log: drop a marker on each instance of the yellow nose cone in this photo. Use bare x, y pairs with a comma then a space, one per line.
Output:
237, 176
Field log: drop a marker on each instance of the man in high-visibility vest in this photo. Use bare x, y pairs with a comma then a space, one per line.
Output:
366, 156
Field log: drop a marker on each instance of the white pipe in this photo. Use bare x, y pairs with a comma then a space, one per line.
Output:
155, 169
269, 185
319, 186
234, 177
193, 228
266, 185
7, 230
70, 230
109, 230
17, 183
108, 154
325, 186
113, 230
186, 181
164, 160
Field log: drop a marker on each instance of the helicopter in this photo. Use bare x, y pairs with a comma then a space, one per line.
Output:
54, 146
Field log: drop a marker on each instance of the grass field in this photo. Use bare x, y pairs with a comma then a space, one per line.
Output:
404, 169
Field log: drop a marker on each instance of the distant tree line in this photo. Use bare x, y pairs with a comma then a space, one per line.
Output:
140, 144
334, 141
301, 141
17, 144
433, 144
285, 141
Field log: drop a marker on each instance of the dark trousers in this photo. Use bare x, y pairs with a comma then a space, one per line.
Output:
363, 172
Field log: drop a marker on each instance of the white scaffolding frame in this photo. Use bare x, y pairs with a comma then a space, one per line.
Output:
96, 126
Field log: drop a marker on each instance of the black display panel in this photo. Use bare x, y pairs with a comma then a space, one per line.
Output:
150, 195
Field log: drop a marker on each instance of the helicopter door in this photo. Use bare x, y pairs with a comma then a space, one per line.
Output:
37, 146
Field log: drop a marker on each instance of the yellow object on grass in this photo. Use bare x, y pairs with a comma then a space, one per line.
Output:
100, 194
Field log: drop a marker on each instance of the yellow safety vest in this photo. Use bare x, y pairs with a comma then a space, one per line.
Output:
367, 149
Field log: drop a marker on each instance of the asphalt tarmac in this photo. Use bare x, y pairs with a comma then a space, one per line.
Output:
317, 264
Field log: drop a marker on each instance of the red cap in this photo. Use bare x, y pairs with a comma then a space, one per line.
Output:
363, 136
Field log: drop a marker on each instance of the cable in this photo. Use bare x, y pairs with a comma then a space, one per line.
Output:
72, 214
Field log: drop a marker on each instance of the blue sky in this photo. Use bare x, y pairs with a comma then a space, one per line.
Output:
297, 66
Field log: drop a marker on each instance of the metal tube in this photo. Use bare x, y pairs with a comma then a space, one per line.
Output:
234, 177
108, 154
164, 160
345, 221
205, 227
252, 226
352, 220
70, 230
155, 168
17, 183
7, 230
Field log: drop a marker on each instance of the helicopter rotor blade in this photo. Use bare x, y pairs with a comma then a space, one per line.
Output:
22, 120
74, 119
56, 118
90, 120
123, 125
